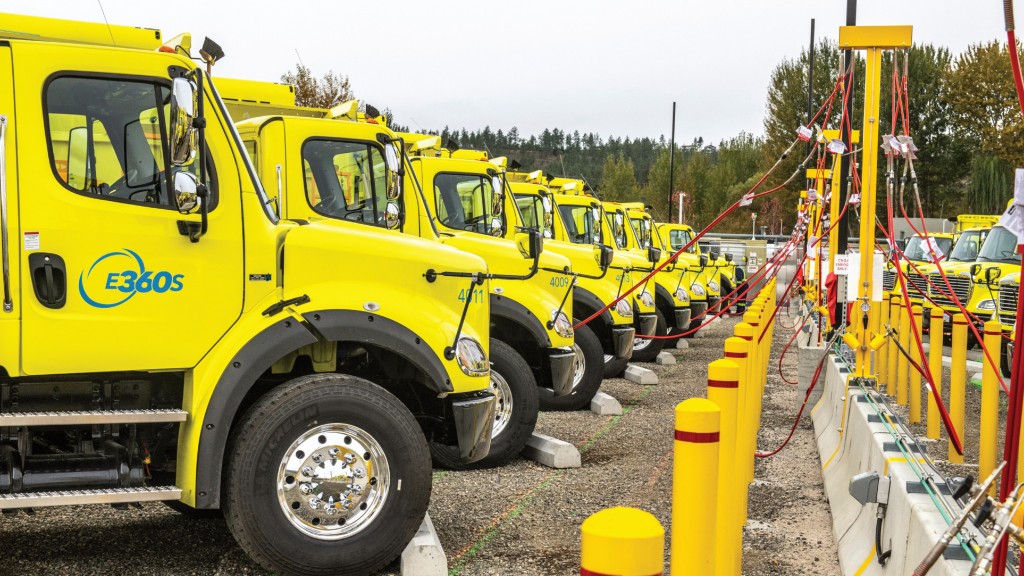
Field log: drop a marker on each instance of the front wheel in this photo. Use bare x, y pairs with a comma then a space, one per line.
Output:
587, 375
515, 411
646, 349
326, 474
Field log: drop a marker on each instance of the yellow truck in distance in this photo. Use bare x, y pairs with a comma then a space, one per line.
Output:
169, 337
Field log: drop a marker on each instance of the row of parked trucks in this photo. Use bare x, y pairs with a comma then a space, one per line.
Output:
217, 299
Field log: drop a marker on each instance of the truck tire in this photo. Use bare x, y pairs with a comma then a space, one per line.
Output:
646, 349
586, 380
515, 413
326, 474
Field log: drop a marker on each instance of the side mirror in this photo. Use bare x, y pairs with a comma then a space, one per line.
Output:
703, 260
391, 157
530, 243
991, 275
975, 268
184, 102
653, 254
713, 255
728, 257
186, 192
496, 230
392, 215
605, 256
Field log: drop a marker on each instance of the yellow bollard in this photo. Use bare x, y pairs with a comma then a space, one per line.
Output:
894, 353
695, 488
957, 382
874, 312
622, 542
935, 367
989, 439
915, 376
745, 332
746, 429
902, 365
753, 317
723, 390
881, 356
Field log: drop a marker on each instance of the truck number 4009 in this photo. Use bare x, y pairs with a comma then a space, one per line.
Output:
559, 281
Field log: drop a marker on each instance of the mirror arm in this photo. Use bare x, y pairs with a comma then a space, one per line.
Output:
201, 191
449, 352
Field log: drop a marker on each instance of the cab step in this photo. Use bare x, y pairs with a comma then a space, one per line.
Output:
92, 417
81, 497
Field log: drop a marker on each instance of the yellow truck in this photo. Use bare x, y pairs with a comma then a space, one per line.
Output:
169, 337
920, 253
574, 225
1009, 291
701, 278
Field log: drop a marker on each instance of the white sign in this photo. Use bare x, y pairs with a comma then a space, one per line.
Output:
842, 264
1013, 218
31, 240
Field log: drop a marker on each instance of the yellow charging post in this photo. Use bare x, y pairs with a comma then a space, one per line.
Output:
695, 488
935, 366
958, 382
622, 542
915, 377
892, 371
833, 206
881, 358
989, 439
872, 40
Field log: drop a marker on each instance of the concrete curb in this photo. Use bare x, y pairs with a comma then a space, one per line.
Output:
639, 375
551, 452
424, 555
665, 359
604, 405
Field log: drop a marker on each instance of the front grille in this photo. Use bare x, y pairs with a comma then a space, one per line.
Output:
888, 280
961, 288
916, 285
1008, 303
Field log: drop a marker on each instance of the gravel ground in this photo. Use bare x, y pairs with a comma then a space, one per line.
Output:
519, 519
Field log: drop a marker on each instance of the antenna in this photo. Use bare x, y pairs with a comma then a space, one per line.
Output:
105, 21
297, 56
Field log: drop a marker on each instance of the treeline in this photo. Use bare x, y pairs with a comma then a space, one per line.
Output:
962, 114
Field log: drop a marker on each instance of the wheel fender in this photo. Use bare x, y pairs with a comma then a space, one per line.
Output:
588, 299
662, 293
513, 311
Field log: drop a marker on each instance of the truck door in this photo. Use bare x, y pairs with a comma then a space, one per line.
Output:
111, 283
9, 325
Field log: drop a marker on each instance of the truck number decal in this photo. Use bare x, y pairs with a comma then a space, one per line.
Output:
476, 295
559, 281
116, 277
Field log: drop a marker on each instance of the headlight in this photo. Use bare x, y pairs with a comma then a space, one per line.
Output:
471, 357
989, 304
647, 299
682, 295
623, 308
560, 322
698, 290
713, 286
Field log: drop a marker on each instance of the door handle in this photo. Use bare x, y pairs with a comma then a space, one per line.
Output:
49, 279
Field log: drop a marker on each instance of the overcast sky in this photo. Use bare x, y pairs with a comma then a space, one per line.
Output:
604, 66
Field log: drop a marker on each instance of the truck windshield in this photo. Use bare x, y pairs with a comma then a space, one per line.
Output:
968, 246
917, 250
1000, 246
467, 201
579, 223
679, 238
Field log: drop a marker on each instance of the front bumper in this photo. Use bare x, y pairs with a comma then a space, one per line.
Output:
682, 316
713, 302
647, 324
622, 341
474, 418
698, 312
563, 366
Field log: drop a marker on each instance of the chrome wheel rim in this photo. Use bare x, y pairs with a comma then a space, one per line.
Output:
503, 403
580, 365
641, 343
333, 481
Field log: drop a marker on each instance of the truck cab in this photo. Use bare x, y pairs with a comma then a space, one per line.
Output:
697, 279
919, 252
169, 337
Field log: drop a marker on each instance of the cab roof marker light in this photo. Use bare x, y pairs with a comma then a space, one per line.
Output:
348, 110
500, 162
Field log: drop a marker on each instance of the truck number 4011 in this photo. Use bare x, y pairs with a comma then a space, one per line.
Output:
476, 295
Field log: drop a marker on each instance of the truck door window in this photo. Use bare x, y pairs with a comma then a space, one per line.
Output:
106, 138
642, 229
579, 223
617, 222
465, 201
345, 180
679, 238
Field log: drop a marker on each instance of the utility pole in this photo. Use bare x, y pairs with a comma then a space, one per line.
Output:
672, 162
843, 227
810, 83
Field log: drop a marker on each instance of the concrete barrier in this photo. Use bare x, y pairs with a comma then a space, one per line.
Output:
604, 405
424, 555
551, 452
852, 437
640, 375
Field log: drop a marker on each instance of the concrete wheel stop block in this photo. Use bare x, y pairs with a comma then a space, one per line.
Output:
424, 556
665, 359
551, 452
682, 344
640, 375
604, 405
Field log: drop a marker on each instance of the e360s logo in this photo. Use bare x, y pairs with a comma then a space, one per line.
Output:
116, 277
